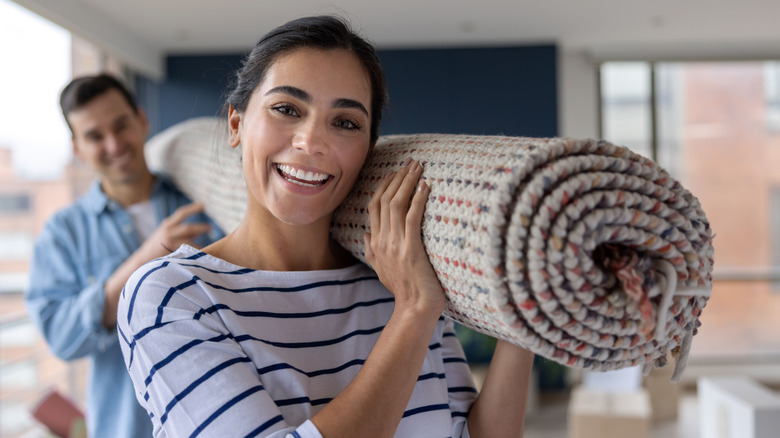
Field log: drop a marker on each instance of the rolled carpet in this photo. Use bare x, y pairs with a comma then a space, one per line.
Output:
579, 250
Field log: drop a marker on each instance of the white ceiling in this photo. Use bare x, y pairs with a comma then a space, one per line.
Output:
142, 32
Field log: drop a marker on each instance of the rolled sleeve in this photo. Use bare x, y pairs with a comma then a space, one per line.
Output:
67, 309
305, 430
92, 302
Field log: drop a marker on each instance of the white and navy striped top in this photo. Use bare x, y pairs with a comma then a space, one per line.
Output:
216, 350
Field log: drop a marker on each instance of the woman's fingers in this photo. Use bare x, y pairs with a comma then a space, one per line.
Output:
375, 204
390, 208
417, 208
403, 196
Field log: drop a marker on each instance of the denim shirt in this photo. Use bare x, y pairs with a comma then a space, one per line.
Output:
75, 254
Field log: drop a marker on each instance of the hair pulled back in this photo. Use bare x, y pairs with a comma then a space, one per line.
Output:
320, 32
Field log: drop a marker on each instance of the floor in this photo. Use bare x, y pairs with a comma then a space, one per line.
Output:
550, 420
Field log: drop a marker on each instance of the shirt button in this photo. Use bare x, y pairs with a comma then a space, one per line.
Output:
127, 229
90, 279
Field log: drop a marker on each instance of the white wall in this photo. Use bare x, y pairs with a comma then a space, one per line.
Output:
577, 94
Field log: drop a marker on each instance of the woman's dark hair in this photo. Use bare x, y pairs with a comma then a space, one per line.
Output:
321, 32
80, 91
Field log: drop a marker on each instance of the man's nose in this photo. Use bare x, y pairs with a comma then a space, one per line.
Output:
112, 143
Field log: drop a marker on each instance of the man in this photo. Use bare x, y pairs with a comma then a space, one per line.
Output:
87, 251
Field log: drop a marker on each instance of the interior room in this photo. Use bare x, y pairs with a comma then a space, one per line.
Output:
692, 86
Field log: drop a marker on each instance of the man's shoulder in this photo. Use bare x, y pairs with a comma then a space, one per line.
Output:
168, 186
76, 212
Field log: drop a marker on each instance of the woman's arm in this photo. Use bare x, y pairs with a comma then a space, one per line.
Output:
374, 402
500, 407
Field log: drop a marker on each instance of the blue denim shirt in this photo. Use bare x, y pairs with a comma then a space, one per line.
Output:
77, 251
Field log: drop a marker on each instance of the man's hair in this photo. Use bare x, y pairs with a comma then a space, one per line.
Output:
80, 91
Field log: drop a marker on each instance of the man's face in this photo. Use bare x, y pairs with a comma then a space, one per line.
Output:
109, 136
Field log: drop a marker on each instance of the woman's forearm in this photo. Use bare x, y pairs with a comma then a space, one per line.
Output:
374, 402
500, 407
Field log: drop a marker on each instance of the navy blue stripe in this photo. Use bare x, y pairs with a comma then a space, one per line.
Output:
462, 389
225, 407
266, 425
431, 376
449, 335
285, 366
129, 345
191, 387
454, 360
296, 435
138, 286
460, 414
178, 352
215, 271
262, 314
434, 346
429, 408
168, 295
312, 344
195, 256
300, 288
302, 400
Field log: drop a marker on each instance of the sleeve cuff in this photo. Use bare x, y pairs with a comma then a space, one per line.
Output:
92, 302
305, 430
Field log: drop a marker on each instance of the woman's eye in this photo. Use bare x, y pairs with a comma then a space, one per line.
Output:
347, 124
285, 110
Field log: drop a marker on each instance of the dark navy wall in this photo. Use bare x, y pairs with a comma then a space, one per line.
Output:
509, 91
194, 87
506, 90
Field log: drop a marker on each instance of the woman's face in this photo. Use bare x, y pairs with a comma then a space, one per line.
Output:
304, 135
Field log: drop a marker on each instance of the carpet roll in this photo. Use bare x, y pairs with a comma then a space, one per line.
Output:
560, 245
579, 250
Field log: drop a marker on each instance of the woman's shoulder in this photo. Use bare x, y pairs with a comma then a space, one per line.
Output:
160, 276
170, 280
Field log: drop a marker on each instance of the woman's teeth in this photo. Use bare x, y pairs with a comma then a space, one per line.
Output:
300, 177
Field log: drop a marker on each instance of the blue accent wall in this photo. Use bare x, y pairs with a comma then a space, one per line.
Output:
507, 91
497, 91
194, 87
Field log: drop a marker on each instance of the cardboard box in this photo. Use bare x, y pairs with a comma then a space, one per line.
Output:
605, 414
737, 407
664, 395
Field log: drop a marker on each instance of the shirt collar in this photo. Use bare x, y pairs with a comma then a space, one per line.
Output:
97, 200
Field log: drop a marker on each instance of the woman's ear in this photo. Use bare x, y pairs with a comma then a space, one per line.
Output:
234, 127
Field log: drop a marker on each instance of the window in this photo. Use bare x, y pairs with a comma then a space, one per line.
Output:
16, 246
14, 203
698, 120
772, 93
625, 103
37, 177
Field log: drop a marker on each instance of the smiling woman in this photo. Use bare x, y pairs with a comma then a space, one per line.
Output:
276, 330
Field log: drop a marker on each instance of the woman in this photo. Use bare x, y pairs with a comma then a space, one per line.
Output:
276, 330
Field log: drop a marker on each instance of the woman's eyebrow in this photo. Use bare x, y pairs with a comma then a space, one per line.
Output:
349, 103
290, 91
306, 97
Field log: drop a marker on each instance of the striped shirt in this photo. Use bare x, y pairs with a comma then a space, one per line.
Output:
214, 349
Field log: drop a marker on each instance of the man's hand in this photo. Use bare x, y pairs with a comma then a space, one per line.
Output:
172, 233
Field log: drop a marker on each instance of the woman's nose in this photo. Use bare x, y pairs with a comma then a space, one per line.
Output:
310, 138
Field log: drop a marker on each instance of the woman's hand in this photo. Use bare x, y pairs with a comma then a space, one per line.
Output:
394, 247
